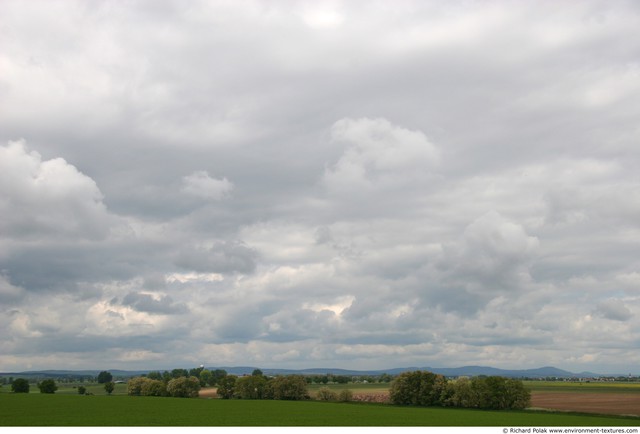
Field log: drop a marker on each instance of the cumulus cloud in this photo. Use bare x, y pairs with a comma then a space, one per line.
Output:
200, 184
494, 248
378, 155
49, 198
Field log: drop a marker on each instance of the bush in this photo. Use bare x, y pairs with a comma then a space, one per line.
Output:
345, 395
502, 393
495, 393
290, 387
459, 393
326, 394
183, 387
47, 386
153, 388
227, 386
82, 390
252, 387
134, 385
418, 388
20, 385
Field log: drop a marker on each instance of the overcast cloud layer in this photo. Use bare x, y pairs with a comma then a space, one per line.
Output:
360, 185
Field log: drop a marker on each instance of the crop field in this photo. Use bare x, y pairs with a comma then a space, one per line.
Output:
35, 409
595, 397
575, 386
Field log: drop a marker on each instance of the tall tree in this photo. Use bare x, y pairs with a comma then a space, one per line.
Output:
105, 377
20, 385
47, 386
109, 386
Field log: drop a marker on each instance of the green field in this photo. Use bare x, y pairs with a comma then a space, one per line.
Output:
574, 386
35, 409
72, 389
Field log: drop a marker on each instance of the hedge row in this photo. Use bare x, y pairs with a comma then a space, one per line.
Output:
428, 389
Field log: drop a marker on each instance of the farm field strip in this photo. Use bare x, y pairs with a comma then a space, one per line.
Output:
70, 410
572, 386
591, 402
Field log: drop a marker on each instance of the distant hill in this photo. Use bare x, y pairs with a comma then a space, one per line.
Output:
469, 371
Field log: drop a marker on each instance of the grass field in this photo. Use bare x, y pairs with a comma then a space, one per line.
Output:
37, 409
72, 389
569, 386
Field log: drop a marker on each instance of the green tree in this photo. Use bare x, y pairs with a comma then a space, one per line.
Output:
105, 377
417, 388
82, 390
518, 396
177, 373
385, 378
252, 387
290, 387
166, 376
134, 385
20, 385
218, 375
495, 393
195, 372
206, 378
257, 372
153, 388
499, 393
108, 387
47, 386
154, 375
227, 386
184, 387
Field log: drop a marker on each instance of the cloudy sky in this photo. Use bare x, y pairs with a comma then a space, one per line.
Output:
300, 184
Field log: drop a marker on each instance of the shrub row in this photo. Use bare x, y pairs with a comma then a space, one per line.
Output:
425, 388
289, 387
326, 394
183, 387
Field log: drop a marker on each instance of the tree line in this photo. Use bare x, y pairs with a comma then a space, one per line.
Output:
255, 386
425, 388
419, 388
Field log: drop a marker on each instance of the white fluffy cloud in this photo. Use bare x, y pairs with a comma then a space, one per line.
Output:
378, 156
49, 198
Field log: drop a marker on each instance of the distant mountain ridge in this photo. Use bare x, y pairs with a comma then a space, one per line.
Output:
470, 371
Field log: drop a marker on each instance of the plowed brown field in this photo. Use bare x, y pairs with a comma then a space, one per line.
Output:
590, 402
209, 392
584, 402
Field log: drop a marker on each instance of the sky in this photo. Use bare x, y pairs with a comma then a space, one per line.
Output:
300, 184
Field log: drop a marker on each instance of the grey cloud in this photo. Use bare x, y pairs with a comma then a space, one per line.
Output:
494, 252
614, 310
154, 304
201, 185
222, 257
355, 155
9, 292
